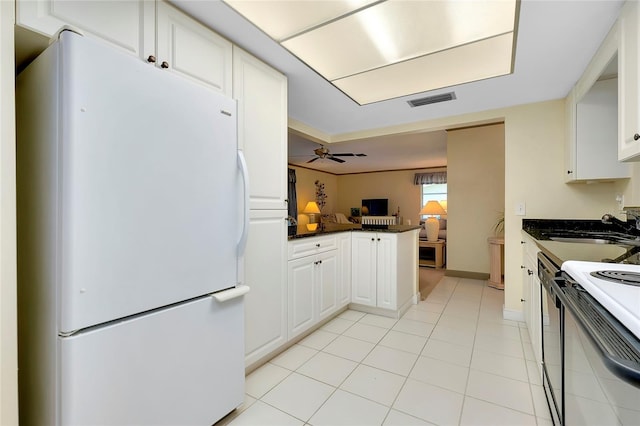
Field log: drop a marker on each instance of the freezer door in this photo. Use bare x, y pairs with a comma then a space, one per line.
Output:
148, 186
179, 366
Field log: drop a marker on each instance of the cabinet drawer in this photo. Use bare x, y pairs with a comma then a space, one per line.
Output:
312, 245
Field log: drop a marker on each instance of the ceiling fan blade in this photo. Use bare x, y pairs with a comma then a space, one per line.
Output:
349, 154
336, 159
312, 160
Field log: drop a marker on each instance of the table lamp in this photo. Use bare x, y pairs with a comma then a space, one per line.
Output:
312, 210
432, 225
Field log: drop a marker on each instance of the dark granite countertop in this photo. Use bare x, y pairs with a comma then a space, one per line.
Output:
301, 231
542, 230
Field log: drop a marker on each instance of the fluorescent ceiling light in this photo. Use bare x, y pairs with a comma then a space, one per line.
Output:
378, 50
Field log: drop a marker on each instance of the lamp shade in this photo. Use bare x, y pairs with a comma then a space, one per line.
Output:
432, 207
311, 207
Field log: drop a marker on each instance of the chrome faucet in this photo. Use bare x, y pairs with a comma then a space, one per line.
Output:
632, 227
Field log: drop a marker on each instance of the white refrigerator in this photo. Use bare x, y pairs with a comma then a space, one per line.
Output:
132, 214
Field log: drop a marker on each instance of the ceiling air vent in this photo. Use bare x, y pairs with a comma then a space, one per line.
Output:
443, 97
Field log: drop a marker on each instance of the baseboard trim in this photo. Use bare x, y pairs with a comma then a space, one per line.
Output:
466, 274
512, 315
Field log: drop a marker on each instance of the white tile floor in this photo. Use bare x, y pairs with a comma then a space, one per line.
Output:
450, 360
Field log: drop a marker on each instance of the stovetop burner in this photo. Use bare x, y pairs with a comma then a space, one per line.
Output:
620, 277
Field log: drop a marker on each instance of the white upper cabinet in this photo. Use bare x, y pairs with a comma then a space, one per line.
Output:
189, 48
261, 93
128, 24
154, 31
629, 124
592, 119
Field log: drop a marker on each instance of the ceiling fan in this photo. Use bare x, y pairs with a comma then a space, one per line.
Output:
323, 152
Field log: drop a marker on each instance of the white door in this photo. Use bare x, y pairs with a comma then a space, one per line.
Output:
265, 272
148, 189
261, 92
327, 283
178, 366
344, 268
193, 50
386, 271
363, 268
302, 277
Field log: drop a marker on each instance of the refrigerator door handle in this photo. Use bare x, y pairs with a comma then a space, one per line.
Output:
232, 293
242, 244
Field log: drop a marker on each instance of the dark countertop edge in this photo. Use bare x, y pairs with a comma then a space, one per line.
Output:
332, 229
538, 228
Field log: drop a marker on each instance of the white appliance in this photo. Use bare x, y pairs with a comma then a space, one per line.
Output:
620, 298
130, 188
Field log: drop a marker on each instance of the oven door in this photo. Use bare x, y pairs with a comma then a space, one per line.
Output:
552, 314
594, 394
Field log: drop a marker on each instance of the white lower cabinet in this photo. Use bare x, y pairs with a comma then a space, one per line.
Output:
364, 258
313, 286
384, 270
531, 295
263, 269
343, 242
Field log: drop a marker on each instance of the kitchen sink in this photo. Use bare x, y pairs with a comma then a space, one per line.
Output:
594, 237
582, 240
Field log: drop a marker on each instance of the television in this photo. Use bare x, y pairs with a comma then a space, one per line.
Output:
376, 207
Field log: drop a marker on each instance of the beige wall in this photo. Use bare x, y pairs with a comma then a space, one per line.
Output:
534, 174
8, 313
306, 190
475, 187
397, 186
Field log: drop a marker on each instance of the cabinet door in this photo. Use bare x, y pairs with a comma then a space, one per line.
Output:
597, 133
531, 295
128, 24
193, 50
363, 268
302, 277
263, 269
327, 283
629, 130
261, 93
386, 271
344, 269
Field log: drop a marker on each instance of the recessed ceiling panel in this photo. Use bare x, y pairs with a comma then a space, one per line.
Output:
375, 50
396, 31
282, 19
476, 61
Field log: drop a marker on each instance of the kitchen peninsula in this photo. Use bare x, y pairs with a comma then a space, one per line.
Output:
367, 268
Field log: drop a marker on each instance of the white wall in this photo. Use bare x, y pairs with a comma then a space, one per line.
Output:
8, 302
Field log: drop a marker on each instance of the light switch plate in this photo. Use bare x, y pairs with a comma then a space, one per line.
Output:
521, 208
